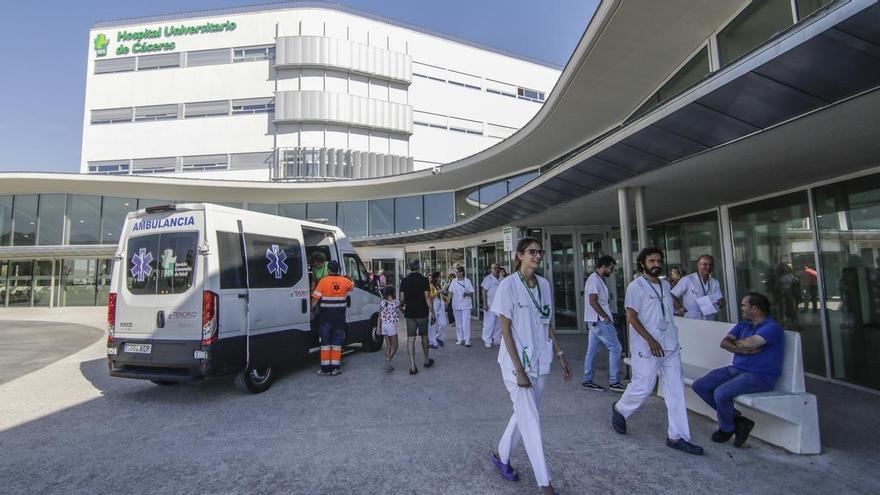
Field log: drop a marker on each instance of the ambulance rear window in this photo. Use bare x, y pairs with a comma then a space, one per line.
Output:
161, 263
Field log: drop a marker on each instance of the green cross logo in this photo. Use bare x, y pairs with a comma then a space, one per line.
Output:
101, 43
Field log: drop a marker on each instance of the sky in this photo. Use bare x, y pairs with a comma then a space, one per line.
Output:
42, 81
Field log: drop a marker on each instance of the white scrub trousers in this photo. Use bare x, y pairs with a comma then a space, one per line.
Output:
525, 425
463, 325
644, 370
491, 328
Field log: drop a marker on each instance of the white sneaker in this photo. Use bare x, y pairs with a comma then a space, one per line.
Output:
487, 346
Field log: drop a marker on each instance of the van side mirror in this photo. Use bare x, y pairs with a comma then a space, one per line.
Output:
204, 248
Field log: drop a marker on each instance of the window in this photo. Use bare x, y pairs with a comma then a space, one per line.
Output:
439, 210
322, 212
248, 161
113, 212
109, 167
206, 109
208, 57
293, 210
111, 115
107, 66
273, 262
408, 214
529, 94
83, 219
268, 208
161, 263
490, 193
691, 73
78, 282
754, 26
382, 216
467, 202
156, 112
51, 219
253, 105
806, 7
5, 220
24, 218
353, 218
162, 61
518, 181
253, 53
154, 165
203, 162
355, 269
232, 274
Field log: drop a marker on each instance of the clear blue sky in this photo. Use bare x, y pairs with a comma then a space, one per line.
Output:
42, 81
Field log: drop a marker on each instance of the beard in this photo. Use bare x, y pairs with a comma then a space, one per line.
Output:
654, 272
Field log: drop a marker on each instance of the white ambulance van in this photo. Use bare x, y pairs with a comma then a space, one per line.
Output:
200, 290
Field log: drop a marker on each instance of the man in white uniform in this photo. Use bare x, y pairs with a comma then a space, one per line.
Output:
491, 324
698, 295
462, 291
654, 349
599, 320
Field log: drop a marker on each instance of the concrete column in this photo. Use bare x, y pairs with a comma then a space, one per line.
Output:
641, 223
625, 241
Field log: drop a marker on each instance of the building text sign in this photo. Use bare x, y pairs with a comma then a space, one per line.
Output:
156, 40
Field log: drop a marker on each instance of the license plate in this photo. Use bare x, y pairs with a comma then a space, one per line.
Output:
139, 348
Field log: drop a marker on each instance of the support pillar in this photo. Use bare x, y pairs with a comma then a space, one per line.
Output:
641, 223
625, 241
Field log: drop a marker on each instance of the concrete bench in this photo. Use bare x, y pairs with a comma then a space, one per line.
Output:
787, 416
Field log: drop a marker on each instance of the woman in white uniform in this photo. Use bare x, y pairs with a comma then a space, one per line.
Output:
462, 291
523, 303
437, 329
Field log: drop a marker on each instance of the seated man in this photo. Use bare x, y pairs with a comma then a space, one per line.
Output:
758, 346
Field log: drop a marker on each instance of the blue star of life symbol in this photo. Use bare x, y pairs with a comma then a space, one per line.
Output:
141, 268
276, 258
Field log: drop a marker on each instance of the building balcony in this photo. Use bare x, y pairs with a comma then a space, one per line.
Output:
345, 109
328, 164
293, 52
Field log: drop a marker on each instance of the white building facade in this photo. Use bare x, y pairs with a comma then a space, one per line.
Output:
298, 92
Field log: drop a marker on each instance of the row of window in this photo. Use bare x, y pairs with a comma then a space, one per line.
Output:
232, 161
459, 124
751, 28
185, 59
193, 110
478, 83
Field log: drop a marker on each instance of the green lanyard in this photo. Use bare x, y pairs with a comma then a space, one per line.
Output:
659, 296
545, 311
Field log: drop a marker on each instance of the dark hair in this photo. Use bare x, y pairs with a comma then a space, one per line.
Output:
333, 267
521, 248
435, 278
318, 257
389, 291
605, 261
759, 301
414, 265
643, 256
459, 268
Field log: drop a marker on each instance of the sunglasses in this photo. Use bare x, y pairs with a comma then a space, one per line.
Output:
535, 252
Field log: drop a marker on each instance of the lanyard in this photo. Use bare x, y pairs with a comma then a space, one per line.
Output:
659, 296
461, 284
707, 287
545, 311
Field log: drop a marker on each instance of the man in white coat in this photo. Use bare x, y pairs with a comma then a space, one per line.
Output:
698, 295
654, 348
462, 291
491, 323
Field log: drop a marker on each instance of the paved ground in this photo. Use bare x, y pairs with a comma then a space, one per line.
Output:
31, 345
70, 428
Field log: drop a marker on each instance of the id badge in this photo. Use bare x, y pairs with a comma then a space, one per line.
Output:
545, 320
663, 325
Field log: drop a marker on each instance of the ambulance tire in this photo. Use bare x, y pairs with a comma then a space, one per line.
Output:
374, 339
255, 380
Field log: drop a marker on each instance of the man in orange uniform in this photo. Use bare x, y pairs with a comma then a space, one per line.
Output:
330, 293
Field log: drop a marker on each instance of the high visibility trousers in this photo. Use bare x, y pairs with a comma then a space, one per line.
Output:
525, 425
331, 329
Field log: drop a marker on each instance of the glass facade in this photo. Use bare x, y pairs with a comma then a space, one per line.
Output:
353, 218
408, 214
24, 220
381, 216
51, 219
759, 22
83, 219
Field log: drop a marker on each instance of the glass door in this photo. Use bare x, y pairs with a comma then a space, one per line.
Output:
564, 281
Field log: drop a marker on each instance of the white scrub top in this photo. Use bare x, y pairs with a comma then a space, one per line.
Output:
690, 288
530, 329
490, 283
457, 288
644, 297
596, 285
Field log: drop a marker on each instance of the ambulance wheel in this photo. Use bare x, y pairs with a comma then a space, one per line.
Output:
164, 383
255, 380
374, 339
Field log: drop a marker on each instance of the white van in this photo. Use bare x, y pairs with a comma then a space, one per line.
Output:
184, 304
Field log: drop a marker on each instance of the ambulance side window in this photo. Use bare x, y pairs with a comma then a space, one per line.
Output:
273, 262
355, 269
232, 274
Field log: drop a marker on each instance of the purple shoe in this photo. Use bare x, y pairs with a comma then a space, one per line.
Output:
506, 470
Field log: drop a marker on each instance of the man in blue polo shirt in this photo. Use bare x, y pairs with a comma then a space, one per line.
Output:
758, 346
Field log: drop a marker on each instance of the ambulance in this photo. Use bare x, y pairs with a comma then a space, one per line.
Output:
201, 290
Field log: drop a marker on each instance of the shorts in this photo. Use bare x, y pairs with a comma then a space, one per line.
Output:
389, 329
417, 326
